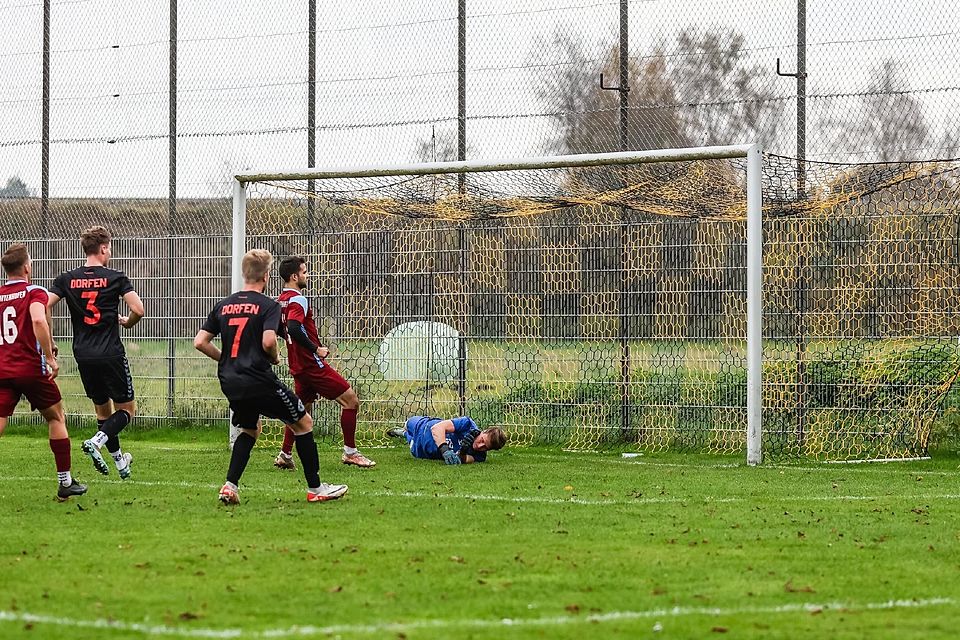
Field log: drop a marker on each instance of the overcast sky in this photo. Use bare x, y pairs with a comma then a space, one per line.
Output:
386, 72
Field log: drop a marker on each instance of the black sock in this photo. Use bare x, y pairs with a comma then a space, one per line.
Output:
309, 458
240, 457
115, 424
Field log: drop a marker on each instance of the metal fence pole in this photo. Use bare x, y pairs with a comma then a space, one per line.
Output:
624, 142
172, 214
461, 183
45, 119
802, 279
311, 103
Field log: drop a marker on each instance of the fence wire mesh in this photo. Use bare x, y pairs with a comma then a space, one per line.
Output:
134, 115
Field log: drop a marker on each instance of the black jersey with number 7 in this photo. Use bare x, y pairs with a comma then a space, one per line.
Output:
240, 320
93, 295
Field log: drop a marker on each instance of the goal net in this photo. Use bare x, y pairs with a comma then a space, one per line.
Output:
623, 300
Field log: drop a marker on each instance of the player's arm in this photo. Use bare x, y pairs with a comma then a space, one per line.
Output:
296, 314
203, 342
132, 298
439, 432
56, 349
270, 345
298, 333
41, 329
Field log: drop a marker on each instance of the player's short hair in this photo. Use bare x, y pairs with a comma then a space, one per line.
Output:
93, 238
496, 437
256, 264
14, 258
289, 266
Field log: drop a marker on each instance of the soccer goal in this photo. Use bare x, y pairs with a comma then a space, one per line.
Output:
710, 299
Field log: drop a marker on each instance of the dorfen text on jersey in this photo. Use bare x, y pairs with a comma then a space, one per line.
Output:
241, 308
88, 283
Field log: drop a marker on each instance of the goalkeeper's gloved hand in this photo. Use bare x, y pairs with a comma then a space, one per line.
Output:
449, 455
467, 441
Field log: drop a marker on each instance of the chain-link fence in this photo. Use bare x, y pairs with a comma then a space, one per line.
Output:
134, 115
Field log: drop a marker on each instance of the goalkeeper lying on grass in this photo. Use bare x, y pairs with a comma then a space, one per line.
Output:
455, 441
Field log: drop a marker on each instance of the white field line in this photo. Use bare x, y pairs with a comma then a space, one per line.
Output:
380, 493
888, 467
380, 628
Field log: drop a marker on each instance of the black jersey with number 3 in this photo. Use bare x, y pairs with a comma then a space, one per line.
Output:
240, 320
93, 296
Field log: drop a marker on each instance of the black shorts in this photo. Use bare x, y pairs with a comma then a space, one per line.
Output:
281, 404
106, 379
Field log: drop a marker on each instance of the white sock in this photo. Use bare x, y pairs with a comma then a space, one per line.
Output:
349, 451
118, 458
231, 485
286, 456
99, 439
65, 478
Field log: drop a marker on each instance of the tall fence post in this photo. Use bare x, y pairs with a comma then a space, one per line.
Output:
172, 215
801, 298
624, 294
311, 104
461, 183
45, 126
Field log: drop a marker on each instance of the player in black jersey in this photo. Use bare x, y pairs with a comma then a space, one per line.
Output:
93, 293
247, 323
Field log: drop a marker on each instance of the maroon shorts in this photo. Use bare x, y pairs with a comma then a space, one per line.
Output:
319, 383
40, 391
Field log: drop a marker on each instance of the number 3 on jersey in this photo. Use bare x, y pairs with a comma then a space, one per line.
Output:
240, 323
91, 298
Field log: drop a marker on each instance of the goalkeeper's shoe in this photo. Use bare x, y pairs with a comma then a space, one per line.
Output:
397, 432
284, 461
358, 459
124, 471
326, 492
229, 495
73, 489
93, 451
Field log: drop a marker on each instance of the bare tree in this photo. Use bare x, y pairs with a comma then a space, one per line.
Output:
589, 115
724, 95
16, 188
706, 92
891, 126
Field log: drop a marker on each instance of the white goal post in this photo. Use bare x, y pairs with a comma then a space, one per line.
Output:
750, 152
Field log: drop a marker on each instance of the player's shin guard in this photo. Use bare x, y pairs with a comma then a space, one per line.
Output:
309, 458
348, 424
240, 457
115, 424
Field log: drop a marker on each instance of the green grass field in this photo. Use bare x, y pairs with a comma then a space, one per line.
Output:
536, 543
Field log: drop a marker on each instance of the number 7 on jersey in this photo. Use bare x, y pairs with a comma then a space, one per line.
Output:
240, 323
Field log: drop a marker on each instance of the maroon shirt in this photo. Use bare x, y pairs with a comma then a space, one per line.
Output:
20, 353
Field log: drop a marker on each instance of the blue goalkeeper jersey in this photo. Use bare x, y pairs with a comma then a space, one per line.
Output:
421, 440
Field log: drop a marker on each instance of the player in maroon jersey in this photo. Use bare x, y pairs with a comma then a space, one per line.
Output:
28, 364
247, 323
93, 293
313, 376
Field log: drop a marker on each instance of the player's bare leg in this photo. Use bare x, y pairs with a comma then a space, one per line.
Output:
350, 404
